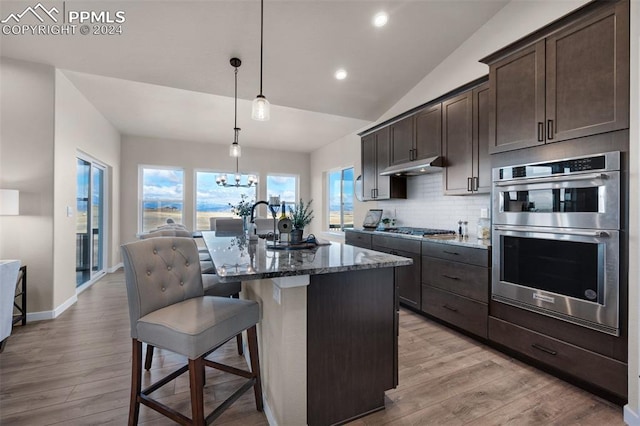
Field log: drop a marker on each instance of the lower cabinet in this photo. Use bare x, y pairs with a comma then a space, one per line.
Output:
358, 238
455, 285
407, 277
596, 369
467, 314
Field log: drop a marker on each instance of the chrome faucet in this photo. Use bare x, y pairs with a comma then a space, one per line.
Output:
273, 213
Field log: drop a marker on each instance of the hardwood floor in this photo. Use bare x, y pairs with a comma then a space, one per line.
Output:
75, 370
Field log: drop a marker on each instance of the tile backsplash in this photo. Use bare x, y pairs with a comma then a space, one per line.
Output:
427, 207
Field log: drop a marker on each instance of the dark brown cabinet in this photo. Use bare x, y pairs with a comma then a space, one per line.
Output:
465, 143
407, 277
375, 158
358, 238
402, 140
455, 285
428, 132
418, 136
573, 83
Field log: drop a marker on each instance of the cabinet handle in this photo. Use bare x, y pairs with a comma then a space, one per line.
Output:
372, 196
469, 185
451, 252
549, 129
451, 308
415, 153
543, 349
450, 277
540, 131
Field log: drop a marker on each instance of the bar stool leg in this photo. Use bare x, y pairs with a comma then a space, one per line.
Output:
149, 357
136, 382
252, 341
196, 382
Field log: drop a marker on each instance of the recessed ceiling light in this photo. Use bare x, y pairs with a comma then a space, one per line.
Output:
341, 74
380, 19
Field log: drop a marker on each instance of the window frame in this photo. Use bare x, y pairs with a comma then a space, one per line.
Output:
141, 199
217, 172
297, 178
328, 199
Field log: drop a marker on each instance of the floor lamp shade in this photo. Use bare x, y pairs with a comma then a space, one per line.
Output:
9, 202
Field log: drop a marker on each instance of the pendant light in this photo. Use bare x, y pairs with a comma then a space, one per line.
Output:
234, 149
260, 106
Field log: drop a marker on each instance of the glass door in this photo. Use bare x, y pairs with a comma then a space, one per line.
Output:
90, 221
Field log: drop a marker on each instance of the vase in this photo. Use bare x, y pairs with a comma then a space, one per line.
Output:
296, 236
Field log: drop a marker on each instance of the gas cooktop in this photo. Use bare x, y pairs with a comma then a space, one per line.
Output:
419, 231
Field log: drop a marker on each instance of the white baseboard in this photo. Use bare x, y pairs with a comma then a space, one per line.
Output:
48, 315
631, 417
267, 412
115, 268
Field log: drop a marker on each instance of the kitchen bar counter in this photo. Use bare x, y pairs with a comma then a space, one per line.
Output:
328, 337
471, 241
238, 259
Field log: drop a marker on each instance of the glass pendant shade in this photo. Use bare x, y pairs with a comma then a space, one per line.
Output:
235, 150
260, 109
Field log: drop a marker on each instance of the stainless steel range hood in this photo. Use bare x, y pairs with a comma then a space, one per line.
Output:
415, 168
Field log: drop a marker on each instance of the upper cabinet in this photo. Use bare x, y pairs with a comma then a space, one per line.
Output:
418, 136
572, 83
428, 132
465, 134
402, 140
375, 158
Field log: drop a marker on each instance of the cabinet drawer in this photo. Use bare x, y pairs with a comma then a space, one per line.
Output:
465, 313
466, 280
474, 256
358, 239
596, 369
395, 243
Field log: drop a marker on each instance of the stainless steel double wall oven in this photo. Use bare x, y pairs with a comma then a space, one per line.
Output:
556, 239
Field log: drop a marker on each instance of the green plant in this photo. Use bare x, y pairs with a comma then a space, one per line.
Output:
300, 214
243, 208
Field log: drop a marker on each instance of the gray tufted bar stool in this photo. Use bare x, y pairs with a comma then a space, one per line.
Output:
168, 309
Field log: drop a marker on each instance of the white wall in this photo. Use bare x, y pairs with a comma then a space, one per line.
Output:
26, 164
137, 150
343, 153
632, 409
80, 127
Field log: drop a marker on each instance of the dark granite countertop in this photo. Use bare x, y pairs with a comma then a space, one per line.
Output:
239, 259
471, 241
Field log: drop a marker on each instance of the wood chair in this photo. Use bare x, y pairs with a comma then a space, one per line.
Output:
168, 309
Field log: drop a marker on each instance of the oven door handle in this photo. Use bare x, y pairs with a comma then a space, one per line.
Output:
597, 234
588, 176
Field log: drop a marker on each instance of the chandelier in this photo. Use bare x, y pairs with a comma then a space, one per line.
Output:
222, 179
234, 149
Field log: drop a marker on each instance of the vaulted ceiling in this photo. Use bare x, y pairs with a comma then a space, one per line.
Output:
168, 73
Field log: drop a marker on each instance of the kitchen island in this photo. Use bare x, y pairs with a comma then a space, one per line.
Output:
328, 335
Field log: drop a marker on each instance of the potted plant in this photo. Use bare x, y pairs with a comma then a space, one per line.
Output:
242, 209
301, 215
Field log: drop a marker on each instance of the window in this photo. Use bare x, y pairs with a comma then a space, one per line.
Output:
340, 203
212, 200
283, 186
162, 196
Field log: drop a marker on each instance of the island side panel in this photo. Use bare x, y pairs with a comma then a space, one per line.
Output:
282, 344
351, 344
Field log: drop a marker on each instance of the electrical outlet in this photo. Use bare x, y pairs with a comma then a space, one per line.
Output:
276, 293
69, 211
